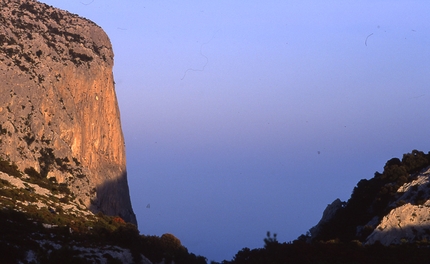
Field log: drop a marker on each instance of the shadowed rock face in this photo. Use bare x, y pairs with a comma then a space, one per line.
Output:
58, 108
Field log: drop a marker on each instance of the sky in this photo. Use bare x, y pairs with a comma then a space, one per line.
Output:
242, 117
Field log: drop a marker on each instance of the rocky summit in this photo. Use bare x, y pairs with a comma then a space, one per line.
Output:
59, 117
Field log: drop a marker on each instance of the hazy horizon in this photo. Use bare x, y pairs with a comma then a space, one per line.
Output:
243, 118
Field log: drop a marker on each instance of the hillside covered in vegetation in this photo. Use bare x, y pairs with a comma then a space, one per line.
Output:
41, 221
386, 220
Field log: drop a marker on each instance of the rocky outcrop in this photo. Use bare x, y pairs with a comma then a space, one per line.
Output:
59, 116
328, 214
410, 221
407, 223
391, 208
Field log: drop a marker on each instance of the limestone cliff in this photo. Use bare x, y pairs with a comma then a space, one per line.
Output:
58, 110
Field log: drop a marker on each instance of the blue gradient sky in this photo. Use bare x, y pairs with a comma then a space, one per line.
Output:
242, 117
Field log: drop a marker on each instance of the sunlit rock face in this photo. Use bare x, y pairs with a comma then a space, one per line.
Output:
58, 108
409, 222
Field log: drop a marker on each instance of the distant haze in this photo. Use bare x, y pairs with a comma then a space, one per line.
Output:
247, 117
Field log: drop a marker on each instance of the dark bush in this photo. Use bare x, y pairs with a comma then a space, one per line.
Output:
32, 172
63, 188
8, 168
394, 172
46, 160
416, 161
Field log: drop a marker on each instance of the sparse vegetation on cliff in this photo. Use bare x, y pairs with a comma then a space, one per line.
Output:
49, 225
7, 167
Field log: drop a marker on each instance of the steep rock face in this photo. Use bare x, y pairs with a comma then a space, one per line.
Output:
328, 214
58, 109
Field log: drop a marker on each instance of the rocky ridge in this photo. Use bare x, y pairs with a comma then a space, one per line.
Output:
391, 208
408, 222
59, 115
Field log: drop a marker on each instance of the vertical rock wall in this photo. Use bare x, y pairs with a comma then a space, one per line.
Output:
58, 108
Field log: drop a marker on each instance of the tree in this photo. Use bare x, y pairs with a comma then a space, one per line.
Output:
270, 241
416, 161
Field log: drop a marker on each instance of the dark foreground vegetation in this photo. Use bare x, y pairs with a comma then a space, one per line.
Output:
20, 234
331, 252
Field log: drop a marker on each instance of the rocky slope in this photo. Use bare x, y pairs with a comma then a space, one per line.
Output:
391, 208
59, 115
409, 221
43, 222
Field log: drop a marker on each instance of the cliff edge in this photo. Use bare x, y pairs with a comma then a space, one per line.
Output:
59, 116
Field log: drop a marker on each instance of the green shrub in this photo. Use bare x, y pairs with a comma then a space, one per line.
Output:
416, 161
